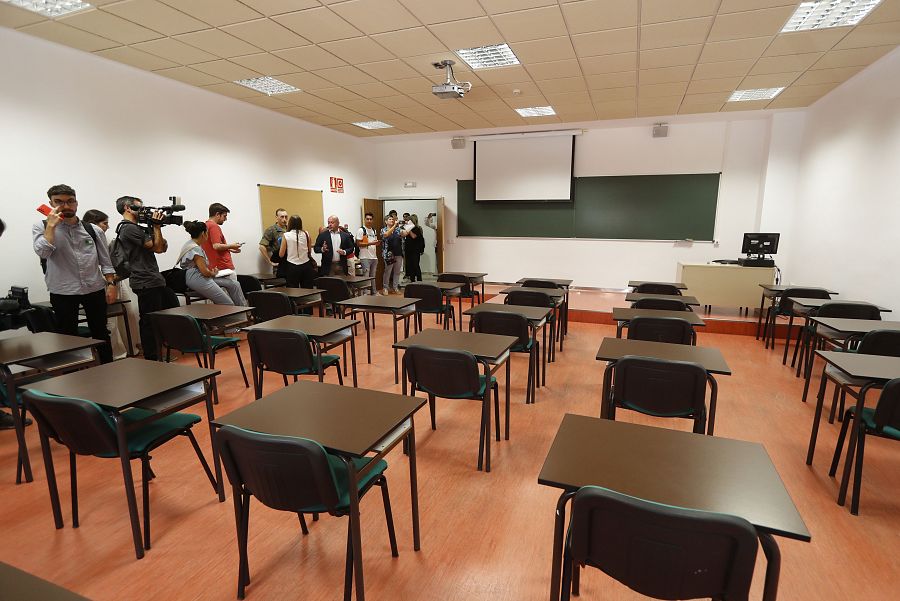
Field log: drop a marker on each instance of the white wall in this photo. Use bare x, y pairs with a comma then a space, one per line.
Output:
848, 209
735, 146
109, 130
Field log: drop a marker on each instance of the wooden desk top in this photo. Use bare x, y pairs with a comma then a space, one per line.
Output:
445, 286
378, 301
558, 281
856, 326
265, 277
866, 367
205, 311
778, 288
554, 293
342, 419
613, 349
22, 586
314, 327
815, 303
532, 314
123, 383
627, 314
472, 276
636, 296
296, 292
675, 468
487, 347
353, 280
636, 283
42, 344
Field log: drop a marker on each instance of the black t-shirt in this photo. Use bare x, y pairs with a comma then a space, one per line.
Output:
144, 269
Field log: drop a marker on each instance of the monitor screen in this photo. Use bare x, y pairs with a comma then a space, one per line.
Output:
760, 244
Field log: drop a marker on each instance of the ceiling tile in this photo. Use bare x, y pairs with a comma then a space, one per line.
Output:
307, 101
296, 111
69, 36
361, 105
277, 7
675, 33
325, 120
522, 102
310, 58
218, 42
658, 11
690, 108
372, 90
470, 33
410, 85
733, 50
480, 106
612, 41
494, 7
564, 84
318, 25
424, 65
608, 94
347, 75
577, 112
853, 57
661, 90
430, 11
751, 24
226, 70
336, 94
877, 34
232, 90
269, 102
397, 102
358, 50
558, 99
215, 12
410, 42
723, 69
798, 91
188, 75
503, 118
416, 111
609, 63
392, 69
806, 41
265, 63
595, 15
666, 105
375, 16
306, 81
539, 51
771, 80
827, 75
665, 75
889, 10
265, 34
13, 16
670, 57
472, 121
734, 6
508, 90
791, 103
612, 80
504, 75
554, 69
615, 109
746, 105
157, 16
708, 98
109, 26
706, 86
175, 51
784, 64
136, 58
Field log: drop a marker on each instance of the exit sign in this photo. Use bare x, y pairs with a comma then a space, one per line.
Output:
337, 185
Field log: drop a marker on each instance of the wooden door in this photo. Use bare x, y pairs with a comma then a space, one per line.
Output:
439, 235
373, 205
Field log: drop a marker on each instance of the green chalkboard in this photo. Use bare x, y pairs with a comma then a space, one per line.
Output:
635, 207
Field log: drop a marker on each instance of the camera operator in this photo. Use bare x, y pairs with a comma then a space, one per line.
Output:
140, 245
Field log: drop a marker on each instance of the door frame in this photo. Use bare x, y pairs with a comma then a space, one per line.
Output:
439, 230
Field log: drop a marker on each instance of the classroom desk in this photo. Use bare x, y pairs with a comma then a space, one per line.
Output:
471, 276
399, 307
674, 468
163, 388
348, 422
491, 350
632, 297
303, 297
22, 586
268, 280
773, 292
563, 283
875, 370
623, 315
636, 283
724, 285
114, 309
558, 298
205, 313
537, 318
320, 330
31, 357
711, 359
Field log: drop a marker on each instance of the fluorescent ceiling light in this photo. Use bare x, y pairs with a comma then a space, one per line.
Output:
536, 111
488, 57
50, 8
372, 124
760, 94
829, 13
267, 85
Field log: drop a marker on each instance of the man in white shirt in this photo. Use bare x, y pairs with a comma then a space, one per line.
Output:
367, 240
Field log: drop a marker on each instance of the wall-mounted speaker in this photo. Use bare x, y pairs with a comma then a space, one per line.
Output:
660, 130
457, 143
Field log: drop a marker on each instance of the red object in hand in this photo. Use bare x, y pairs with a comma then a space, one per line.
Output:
44, 210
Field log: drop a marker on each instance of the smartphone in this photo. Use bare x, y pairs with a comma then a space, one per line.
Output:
44, 209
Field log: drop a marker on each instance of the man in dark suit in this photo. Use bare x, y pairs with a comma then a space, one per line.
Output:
334, 244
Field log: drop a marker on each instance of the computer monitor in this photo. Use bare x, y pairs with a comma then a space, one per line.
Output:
760, 244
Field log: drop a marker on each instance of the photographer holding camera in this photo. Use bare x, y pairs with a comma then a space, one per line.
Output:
140, 246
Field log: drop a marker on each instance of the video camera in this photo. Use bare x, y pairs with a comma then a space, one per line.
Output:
145, 214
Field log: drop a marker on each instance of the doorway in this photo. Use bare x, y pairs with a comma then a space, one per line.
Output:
423, 208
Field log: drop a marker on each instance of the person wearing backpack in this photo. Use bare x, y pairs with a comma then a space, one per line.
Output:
79, 271
134, 252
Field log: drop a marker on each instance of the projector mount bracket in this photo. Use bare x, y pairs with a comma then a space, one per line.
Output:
451, 78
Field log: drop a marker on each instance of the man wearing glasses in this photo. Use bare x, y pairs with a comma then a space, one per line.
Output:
79, 271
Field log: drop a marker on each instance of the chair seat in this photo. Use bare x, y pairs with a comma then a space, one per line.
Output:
436, 310
481, 387
405, 311
523, 348
217, 342
645, 411
868, 418
143, 438
327, 361
341, 478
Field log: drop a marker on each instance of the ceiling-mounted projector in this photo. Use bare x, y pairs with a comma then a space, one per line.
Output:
450, 88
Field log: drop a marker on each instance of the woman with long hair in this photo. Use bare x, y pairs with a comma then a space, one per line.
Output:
413, 249
198, 276
296, 247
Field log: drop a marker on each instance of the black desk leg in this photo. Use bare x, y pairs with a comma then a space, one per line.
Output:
762, 306
129, 485
619, 326
210, 417
355, 534
557, 557
820, 400
487, 418
713, 396
851, 444
508, 373
353, 356
396, 352
544, 354
368, 338
810, 361
23, 462
51, 482
605, 391
413, 481
773, 565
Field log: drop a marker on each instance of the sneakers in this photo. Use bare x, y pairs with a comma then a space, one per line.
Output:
384, 292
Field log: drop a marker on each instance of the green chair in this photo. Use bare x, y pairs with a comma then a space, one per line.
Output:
431, 300
288, 353
512, 324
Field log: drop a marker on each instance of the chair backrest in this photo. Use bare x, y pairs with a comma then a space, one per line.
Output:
540, 284
849, 310
40, 319
180, 332
288, 474
504, 324
887, 413
84, 427
336, 289
269, 305
661, 304
785, 304
281, 351
880, 342
430, 296
446, 373
660, 387
661, 551
465, 290
652, 288
661, 329
528, 298
249, 284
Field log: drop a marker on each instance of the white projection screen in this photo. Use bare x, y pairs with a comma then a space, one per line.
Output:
527, 168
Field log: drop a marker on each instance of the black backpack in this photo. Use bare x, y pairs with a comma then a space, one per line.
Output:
88, 228
119, 257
